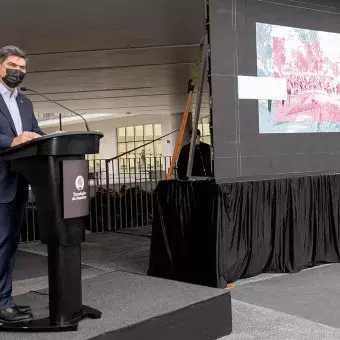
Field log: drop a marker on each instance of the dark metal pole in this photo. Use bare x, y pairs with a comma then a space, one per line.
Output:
60, 123
198, 108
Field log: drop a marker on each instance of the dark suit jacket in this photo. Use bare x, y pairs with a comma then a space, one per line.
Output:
11, 184
202, 161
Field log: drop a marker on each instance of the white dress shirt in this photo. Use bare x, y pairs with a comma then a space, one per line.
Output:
10, 99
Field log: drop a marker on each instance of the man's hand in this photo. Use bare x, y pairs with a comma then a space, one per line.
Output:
26, 136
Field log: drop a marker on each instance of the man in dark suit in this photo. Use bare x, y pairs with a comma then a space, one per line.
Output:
17, 125
202, 159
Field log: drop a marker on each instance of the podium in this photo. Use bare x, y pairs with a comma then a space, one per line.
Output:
55, 167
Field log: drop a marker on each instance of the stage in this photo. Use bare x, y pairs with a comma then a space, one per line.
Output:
214, 234
269, 306
134, 305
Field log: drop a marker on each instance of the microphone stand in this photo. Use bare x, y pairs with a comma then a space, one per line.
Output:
24, 89
60, 124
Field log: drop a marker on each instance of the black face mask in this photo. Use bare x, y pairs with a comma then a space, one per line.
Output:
13, 77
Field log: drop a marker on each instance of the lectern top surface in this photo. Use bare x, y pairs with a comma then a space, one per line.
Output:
64, 133
51, 136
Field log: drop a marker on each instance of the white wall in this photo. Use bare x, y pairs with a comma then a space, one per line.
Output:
108, 127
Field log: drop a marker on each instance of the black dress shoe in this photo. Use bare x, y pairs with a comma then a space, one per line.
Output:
9, 315
24, 309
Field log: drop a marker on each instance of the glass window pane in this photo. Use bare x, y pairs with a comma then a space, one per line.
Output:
148, 163
158, 130
200, 127
121, 148
148, 132
149, 150
131, 165
206, 130
152, 164
122, 163
121, 134
130, 146
158, 148
139, 132
134, 165
140, 152
130, 134
206, 139
141, 164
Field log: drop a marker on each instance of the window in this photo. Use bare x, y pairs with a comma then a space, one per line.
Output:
131, 137
203, 126
94, 163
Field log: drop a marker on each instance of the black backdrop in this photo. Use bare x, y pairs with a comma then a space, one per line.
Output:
239, 149
214, 234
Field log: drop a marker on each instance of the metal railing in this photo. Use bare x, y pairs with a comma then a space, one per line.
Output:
130, 196
121, 195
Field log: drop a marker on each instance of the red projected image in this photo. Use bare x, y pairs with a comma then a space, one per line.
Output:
312, 83
309, 61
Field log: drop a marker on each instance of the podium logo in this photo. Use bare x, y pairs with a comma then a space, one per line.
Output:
80, 183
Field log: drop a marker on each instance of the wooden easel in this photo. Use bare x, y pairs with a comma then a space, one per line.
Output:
191, 88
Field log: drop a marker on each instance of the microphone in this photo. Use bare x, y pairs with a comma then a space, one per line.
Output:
24, 89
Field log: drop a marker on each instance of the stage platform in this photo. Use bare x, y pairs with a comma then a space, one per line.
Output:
302, 306
134, 305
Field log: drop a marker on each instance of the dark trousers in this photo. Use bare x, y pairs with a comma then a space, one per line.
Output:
11, 220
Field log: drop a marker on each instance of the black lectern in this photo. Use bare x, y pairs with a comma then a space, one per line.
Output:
55, 167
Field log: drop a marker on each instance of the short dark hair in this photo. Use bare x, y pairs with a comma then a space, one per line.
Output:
198, 132
8, 51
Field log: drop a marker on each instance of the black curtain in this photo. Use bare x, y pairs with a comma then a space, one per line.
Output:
213, 234
183, 240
